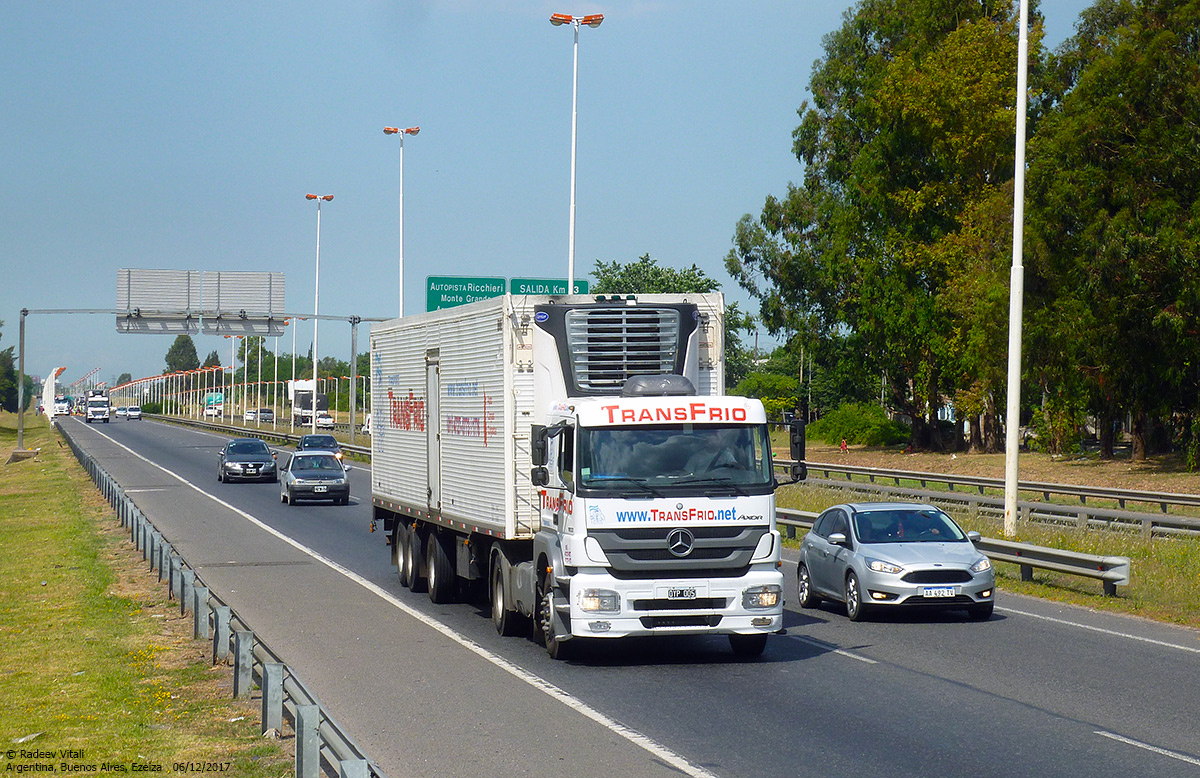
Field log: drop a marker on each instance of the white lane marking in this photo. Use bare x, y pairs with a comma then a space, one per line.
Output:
1101, 630
832, 648
542, 685
1148, 747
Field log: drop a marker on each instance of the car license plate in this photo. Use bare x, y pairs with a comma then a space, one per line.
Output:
938, 591
682, 594
319, 489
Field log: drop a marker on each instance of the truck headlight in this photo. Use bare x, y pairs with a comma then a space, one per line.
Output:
983, 564
600, 601
758, 597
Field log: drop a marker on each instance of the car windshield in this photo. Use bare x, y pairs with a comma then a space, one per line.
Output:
319, 441
317, 462
906, 526
692, 455
248, 447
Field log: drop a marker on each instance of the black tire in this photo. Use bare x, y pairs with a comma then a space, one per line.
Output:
291, 496
748, 646
807, 598
413, 549
439, 569
504, 620
344, 501
981, 612
399, 542
557, 649
220, 475
282, 497
856, 609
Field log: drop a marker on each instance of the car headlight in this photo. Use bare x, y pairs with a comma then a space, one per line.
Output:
983, 564
758, 597
600, 601
879, 566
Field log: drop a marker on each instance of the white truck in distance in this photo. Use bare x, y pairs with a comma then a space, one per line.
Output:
97, 406
577, 456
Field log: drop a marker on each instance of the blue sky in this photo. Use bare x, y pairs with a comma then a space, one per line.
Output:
185, 136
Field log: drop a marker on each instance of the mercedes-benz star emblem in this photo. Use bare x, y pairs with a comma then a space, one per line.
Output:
680, 542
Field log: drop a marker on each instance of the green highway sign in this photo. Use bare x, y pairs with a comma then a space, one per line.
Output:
545, 286
449, 291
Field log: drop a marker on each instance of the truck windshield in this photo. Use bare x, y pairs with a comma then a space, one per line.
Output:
687, 457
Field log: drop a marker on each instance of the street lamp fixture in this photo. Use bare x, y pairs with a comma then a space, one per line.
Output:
316, 303
401, 133
558, 20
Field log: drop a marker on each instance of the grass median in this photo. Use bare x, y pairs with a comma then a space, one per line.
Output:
97, 667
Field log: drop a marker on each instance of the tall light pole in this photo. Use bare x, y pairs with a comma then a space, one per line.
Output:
316, 303
591, 20
401, 133
1016, 288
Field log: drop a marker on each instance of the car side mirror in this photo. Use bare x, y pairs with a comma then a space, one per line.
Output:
974, 536
539, 476
839, 539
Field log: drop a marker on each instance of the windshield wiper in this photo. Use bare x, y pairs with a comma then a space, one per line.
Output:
602, 481
721, 480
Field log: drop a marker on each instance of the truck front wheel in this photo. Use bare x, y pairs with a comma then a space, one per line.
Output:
748, 646
557, 649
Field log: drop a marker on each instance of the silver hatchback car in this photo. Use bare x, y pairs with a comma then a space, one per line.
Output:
888, 555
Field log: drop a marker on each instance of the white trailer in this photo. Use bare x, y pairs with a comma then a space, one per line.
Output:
504, 452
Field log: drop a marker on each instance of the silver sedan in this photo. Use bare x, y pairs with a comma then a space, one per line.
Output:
888, 555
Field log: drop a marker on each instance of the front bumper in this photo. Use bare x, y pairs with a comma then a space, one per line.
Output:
327, 491
264, 472
670, 606
886, 590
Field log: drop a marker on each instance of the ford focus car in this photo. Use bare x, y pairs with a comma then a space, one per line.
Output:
314, 475
248, 459
891, 555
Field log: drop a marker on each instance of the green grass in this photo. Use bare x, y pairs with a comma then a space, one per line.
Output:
1165, 580
92, 655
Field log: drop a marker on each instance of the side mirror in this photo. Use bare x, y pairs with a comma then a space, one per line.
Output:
974, 536
796, 439
839, 539
537, 446
539, 476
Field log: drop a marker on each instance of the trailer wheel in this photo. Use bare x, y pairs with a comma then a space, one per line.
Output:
400, 544
439, 570
412, 560
505, 620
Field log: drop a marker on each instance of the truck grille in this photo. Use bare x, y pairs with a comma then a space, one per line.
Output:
654, 622
645, 549
608, 345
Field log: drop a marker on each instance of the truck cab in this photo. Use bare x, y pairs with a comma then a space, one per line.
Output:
657, 516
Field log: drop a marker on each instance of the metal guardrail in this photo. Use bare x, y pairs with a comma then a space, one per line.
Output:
1082, 515
321, 745
1112, 571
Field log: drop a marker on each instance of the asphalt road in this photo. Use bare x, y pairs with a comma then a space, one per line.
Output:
1041, 689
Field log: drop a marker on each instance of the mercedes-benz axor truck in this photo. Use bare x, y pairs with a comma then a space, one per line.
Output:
576, 459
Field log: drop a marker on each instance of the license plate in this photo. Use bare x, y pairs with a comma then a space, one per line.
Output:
682, 594
938, 591
319, 489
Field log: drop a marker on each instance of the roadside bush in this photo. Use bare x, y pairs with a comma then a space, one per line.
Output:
154, 407
778, 393
863, 424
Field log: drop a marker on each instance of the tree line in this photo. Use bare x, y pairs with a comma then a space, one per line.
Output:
888, 263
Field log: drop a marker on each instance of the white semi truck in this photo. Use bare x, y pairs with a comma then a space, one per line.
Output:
577, 457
